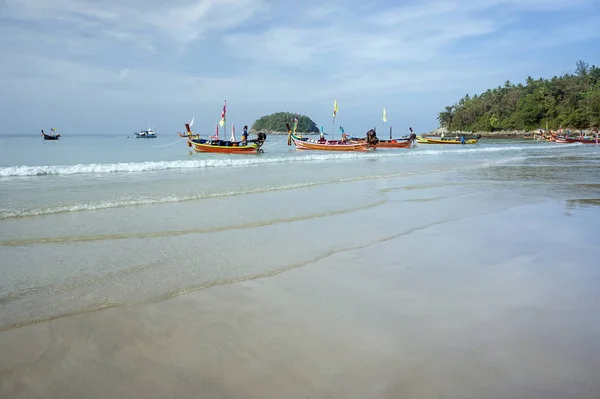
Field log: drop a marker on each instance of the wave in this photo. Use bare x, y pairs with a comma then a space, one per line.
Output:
133, 201
132, 167
136, 201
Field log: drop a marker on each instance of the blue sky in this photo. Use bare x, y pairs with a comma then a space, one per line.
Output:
118, 66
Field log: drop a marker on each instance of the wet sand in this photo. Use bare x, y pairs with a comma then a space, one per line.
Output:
464, 309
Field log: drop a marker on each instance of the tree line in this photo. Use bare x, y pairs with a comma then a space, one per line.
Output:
569, 101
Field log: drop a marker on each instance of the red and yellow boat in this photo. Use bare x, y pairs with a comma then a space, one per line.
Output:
225, 146
391, 143
305, 143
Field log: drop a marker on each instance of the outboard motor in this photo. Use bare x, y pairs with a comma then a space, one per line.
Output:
261, 138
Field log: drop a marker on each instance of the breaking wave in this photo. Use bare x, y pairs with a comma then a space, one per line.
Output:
132, 167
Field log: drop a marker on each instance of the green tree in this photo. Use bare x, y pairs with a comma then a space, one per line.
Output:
571, 100
276, 123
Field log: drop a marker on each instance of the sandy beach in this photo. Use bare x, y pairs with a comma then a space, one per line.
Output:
479, 315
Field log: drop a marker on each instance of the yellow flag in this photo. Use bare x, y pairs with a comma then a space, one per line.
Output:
384, 117
222, 122
335, 108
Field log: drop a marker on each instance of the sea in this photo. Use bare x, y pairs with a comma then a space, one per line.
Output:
90, 222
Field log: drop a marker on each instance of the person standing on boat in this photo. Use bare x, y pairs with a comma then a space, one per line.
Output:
245, 135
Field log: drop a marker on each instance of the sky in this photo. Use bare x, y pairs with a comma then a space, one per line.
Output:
119, 66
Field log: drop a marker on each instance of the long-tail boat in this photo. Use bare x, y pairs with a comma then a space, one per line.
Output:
582, 140
233, 146
306, 143
405, 142
188, 130
432, 140
53, 136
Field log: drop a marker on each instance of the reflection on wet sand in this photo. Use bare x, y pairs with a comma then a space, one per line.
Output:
582, 203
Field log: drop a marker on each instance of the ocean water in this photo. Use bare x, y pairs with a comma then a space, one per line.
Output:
89, 222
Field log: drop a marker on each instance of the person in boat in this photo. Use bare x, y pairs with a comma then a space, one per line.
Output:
245, 135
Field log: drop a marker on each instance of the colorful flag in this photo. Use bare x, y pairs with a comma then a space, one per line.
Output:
335, 108
342, 129
384, 117
222, 121
295, 123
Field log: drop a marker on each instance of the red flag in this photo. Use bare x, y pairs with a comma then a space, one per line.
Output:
222, 121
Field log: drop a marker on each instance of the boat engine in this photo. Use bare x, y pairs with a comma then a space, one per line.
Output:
372, 137
261, 138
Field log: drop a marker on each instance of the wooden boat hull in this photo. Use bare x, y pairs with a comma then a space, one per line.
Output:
394, 144
224, 147
425, 140
47, 137
563, 140
401, 143
327, 145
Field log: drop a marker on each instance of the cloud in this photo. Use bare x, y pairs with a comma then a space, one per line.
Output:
264, 55
124, 73
136, 21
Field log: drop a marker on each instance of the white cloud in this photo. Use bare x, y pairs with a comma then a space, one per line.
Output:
124, 73
139, 21
258, 55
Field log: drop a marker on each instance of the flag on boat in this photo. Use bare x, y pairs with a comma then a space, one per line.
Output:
232, 132
295, 123
222, 121
335, 108
192, 122
384, 117
216, 136
342, 129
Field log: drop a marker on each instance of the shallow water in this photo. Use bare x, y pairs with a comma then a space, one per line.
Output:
89, 222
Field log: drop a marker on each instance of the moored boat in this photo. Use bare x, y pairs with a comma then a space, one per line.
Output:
227, 146
306, 143
582, 140
405, 142
232, 146
146, 134
433, 140
53, 136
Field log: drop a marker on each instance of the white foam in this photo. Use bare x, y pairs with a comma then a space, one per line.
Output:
90, 206
124, 167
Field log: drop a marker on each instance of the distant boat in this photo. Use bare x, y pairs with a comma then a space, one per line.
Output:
52, 136
146, 134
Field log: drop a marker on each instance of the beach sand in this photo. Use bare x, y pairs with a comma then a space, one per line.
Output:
462, 309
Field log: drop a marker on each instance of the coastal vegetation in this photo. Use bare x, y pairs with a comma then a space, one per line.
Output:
569, 101
276, 123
